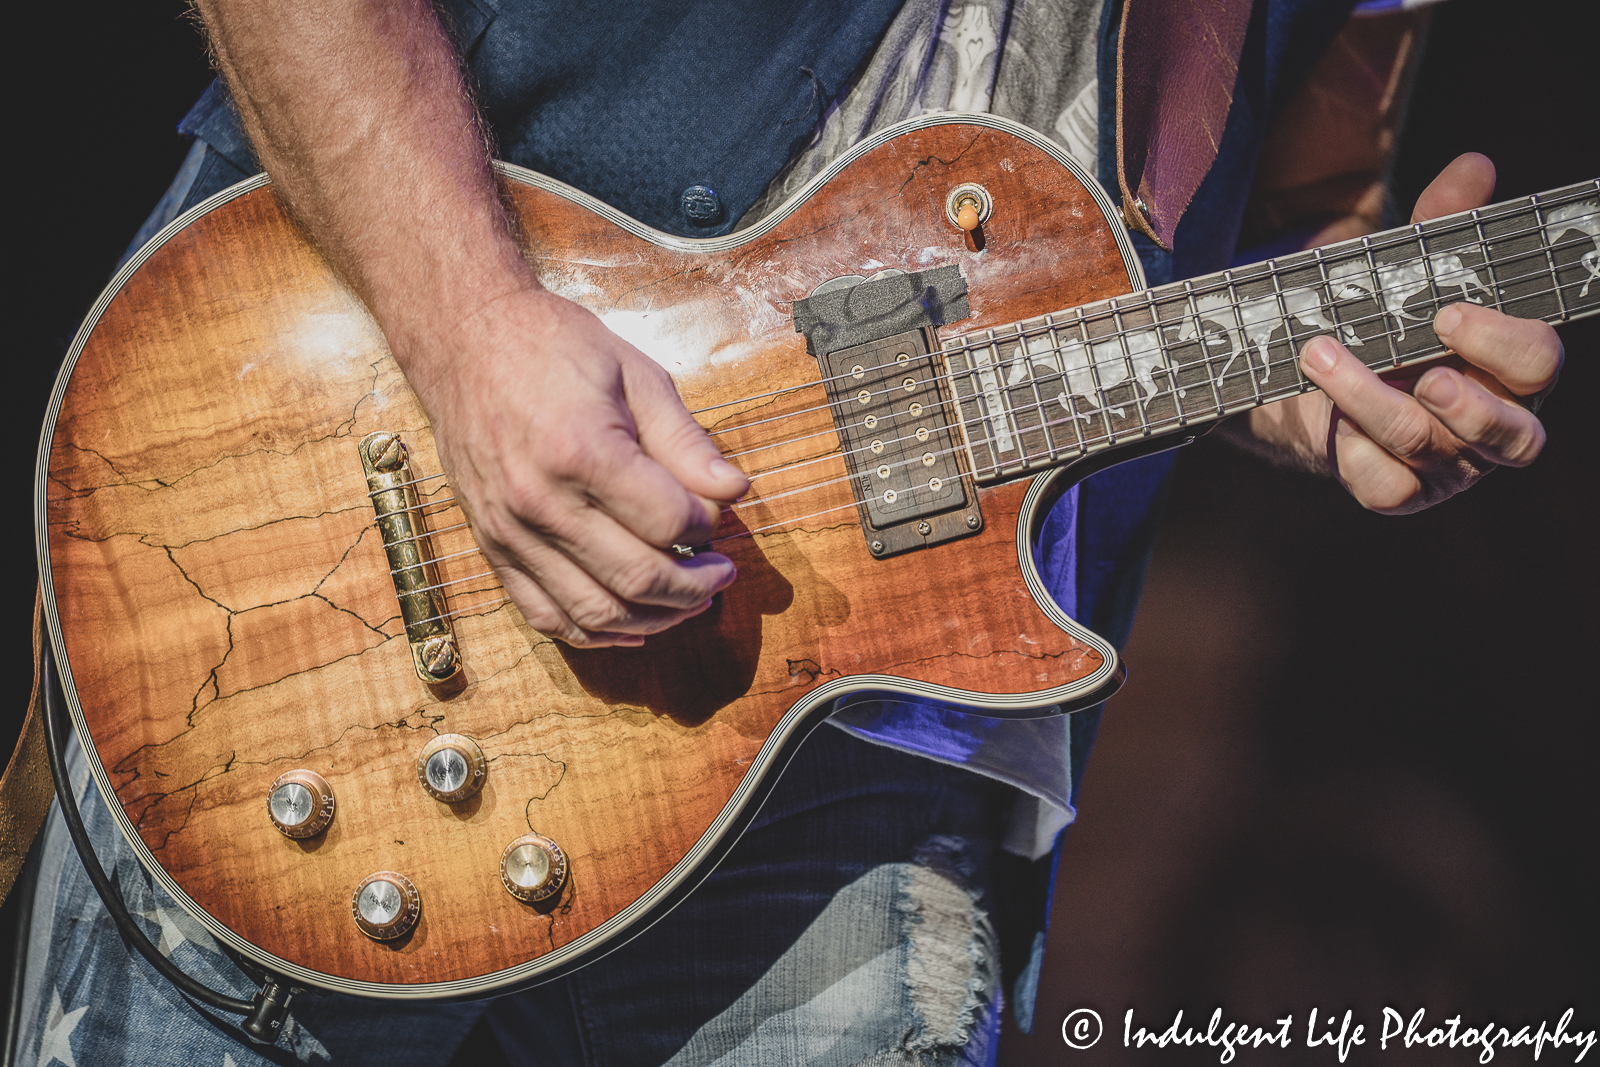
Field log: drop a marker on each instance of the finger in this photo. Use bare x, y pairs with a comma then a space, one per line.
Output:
645, 498
558, 597
1498, 430
1372, 474
543, 615
605, 578
1525, 354
1388, 416
669, 435
1468, 182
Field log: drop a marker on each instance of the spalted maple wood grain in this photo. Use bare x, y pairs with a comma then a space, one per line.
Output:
227, 615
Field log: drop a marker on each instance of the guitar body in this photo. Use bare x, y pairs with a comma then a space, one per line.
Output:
222, 611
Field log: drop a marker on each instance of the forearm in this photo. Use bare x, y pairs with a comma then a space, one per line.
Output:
570, 450
359, 113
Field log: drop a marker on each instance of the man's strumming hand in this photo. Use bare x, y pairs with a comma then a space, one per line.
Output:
568, 447
579, 467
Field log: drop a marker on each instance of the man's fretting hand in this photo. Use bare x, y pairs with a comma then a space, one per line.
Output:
1404, 441
579, 467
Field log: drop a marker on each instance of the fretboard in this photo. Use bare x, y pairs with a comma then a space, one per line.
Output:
1045, 392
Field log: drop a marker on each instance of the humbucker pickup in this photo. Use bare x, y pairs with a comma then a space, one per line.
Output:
892, 414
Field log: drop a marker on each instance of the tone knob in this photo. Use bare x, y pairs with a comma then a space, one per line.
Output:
451, 767
533, 868
386, 905
300, 804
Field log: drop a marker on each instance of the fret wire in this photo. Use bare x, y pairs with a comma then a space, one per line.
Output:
980, 405
955, 400
1169, 364
1039, 402
996, 420
1066, 385
1028, 458
1333, 300
960, 411
1283, 313
1427, 272
1488, 260
1205, 353
1244, 340
1104, 404
1121, 328
1004, 393
1377, 296
1550, 260
1160, 353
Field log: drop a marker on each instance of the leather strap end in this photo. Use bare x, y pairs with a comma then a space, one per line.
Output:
25, 789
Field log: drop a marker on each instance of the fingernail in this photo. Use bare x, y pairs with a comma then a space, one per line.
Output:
1343, 427
1447, 320
1439, 388
1318, 355
723, 573
721, 468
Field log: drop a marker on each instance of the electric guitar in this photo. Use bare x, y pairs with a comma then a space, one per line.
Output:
330, 736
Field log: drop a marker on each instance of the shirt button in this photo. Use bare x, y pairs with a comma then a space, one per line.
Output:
701, 205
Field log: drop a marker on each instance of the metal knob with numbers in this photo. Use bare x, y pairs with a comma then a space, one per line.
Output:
533, 868
386, 905
451, 767
300, 804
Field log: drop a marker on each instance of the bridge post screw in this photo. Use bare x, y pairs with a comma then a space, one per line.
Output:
385, 451
439, 656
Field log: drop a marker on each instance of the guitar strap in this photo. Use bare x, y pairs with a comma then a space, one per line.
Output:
1176, 69
25, 788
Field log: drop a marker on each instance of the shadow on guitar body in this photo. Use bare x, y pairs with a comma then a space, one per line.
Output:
698, 667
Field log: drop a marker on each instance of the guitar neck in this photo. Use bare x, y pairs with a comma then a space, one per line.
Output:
1165, 362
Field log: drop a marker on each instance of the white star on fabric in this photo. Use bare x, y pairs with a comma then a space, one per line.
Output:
227, 1061
56, 1044
303, 1042
178, 926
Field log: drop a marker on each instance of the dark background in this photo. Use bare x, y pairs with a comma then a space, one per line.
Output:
1353, 765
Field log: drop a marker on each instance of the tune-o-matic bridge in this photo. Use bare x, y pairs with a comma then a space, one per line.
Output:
893, 420
416, 582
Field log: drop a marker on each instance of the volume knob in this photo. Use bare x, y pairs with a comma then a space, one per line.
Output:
533, 868
386, 905
300, 804
451, 767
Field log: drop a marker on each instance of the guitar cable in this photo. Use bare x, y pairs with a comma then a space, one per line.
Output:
264, 1013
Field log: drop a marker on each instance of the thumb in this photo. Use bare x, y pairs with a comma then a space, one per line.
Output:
669, 435
1468, 182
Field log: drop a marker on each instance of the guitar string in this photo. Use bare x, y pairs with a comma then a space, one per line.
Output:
1120, 363
1104, 406
1268, 269
1085, 443
1356, 246
1022, 334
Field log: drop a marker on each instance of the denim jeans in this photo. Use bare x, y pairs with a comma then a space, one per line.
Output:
851, 924
854, 922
